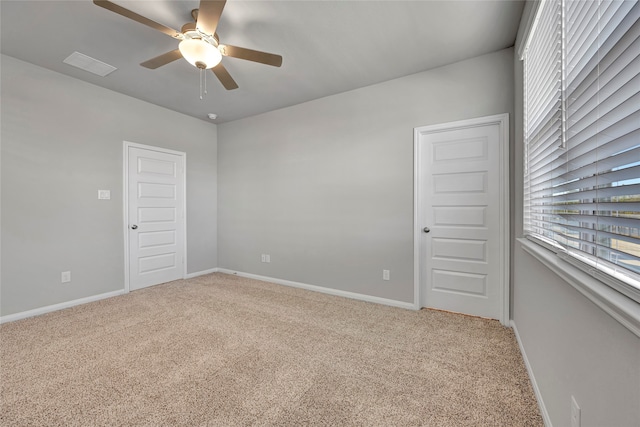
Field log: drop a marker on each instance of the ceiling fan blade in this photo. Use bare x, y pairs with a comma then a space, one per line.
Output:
225, 78
251, 55
163, 59
138, 18
209, 15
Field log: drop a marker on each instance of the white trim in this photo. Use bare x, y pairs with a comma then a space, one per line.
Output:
201, 273
125, 204
321, 289
620, 307
503, 121
596, 268
417, 208
536, 390
125, 212
60, 306
528, 24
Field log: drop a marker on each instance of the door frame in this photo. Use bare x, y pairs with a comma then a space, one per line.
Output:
125, 195
501, 120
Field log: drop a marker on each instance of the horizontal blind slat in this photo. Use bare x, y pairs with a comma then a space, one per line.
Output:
557, 178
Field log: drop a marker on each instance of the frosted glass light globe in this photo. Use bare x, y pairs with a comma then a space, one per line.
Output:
199, 53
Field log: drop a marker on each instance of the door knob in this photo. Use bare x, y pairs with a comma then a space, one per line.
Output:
133, 227
426, 229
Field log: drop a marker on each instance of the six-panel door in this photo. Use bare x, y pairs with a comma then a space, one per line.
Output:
156, 222
460, 260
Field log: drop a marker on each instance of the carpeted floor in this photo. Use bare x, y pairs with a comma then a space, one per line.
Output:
221, 350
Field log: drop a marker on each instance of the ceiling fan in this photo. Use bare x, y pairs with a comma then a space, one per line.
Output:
199, 42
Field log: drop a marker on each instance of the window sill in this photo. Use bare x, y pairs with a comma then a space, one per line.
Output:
623, 309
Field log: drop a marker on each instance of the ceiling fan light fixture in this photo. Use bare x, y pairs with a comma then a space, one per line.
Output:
200, 53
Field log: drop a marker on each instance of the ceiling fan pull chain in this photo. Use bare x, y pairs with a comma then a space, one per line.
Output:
200, 83
205, 83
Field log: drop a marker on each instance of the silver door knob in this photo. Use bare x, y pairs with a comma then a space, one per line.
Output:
426, 229
133, 227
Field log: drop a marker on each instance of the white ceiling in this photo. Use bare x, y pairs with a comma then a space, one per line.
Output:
327, 46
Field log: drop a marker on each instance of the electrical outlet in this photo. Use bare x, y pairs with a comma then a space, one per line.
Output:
104, 194
268, 258
385, 275
65, 277
264, 258
575, 413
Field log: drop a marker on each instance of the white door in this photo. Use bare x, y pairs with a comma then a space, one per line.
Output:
462, 216
155, 215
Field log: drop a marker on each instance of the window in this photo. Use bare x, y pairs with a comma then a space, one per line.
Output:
582, 136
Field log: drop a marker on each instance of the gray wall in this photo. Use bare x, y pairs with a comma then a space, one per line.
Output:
326, 187
573, 347
62, 140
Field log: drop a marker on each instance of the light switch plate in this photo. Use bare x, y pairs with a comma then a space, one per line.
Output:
104, 194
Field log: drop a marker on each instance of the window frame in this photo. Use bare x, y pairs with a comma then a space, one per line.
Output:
615, 296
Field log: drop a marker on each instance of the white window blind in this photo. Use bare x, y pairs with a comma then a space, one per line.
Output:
582, 161
543, 115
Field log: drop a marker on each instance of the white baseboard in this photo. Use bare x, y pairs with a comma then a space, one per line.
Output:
60, 306
536, 390
335, 292
352, 295
201, 273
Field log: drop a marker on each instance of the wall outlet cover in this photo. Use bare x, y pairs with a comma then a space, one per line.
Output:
65, 277
104, 194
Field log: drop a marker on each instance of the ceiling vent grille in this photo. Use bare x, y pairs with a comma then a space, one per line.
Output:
89, 64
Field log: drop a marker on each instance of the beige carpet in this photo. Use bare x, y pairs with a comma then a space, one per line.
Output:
222, 350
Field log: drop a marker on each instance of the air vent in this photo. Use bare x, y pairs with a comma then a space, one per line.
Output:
89, 64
